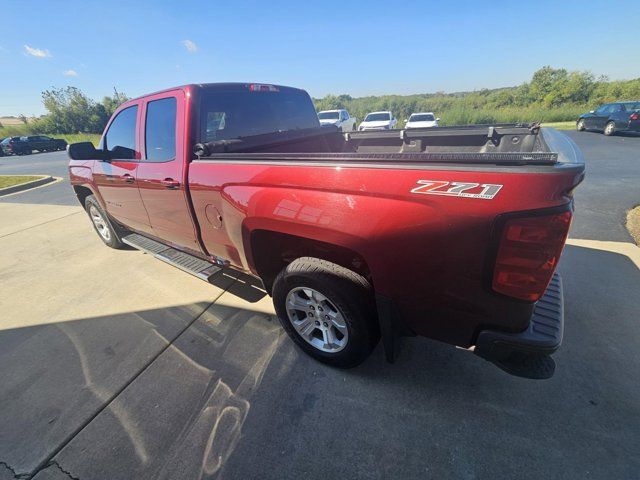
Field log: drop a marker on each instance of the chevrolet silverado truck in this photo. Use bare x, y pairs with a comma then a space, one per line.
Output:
452, 233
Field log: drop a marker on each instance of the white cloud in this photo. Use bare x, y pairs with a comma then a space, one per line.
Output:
36, 52
189, 45
70, 73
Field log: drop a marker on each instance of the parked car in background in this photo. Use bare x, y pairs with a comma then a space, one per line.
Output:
14, 146
378, 121
612, 118
422, 120
339, 118
25, 145
42, 143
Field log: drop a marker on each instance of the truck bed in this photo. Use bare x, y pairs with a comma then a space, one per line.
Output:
503, 144
329, 186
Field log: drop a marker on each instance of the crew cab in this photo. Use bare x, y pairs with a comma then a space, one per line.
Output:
612, 118
338, 118
378, 121
451, 233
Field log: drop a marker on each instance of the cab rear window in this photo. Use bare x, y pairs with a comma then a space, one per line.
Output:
242, 113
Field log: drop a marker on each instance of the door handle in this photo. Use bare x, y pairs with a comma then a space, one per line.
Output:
128, 178
170, 183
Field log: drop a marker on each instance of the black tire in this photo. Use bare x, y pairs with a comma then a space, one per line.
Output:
610, 129
353, 127
107, 233
580, 125
351, 295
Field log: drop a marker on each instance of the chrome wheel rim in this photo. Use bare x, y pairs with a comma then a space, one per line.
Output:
581, 125
609, 128
100, 223
317, 320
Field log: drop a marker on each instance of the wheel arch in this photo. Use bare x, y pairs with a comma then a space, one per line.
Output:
270, 251
82, 193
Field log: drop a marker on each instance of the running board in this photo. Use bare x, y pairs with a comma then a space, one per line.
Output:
188, 263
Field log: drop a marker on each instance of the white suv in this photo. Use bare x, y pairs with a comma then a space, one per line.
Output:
339, 118
422, 120
378, 121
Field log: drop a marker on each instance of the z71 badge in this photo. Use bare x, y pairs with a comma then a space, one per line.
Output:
485, 191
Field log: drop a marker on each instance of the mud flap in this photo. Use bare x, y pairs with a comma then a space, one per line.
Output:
391, 327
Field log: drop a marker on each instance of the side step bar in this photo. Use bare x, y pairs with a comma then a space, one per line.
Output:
188, 263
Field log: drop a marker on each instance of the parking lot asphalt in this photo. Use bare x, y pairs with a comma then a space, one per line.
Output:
115, 365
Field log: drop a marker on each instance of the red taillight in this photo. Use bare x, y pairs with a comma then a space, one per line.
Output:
528, 254
260, 87
634, 116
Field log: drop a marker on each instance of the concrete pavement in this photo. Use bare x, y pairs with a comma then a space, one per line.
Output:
75, 330
115, 365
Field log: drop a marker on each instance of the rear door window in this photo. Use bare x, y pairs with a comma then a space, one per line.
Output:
120, 139
160, 130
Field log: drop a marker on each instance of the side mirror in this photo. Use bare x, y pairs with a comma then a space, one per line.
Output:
592, 111
84, 151
437, 119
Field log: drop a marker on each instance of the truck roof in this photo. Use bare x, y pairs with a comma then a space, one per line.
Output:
220, 85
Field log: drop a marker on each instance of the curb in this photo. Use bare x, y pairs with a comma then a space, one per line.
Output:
26, 186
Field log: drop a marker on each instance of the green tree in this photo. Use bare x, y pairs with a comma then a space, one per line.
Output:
71, 111
544, 82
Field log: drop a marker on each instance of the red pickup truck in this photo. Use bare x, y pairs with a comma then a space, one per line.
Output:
451, 233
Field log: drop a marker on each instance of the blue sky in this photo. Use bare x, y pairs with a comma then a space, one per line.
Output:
325, 46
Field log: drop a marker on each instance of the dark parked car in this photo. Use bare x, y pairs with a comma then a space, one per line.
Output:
27, 144
2, 139
612, 118
14, 146
43, 143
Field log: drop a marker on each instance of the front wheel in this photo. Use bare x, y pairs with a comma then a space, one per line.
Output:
580, 125
327, 310
102, 224
610, 129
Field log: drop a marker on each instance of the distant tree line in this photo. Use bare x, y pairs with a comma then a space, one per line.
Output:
553, 94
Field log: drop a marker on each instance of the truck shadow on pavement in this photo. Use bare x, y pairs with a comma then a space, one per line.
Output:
228, 395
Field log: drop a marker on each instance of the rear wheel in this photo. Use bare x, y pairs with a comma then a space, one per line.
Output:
610, 129
580, 125
101, 223
327, 310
